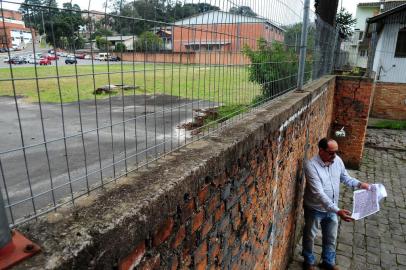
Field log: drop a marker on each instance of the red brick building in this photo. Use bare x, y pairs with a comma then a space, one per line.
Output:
222, 31
13, 32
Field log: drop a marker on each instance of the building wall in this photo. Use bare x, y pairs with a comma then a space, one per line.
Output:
236, 34
352, 100
362, 14
387, 67
389, 101
202, 58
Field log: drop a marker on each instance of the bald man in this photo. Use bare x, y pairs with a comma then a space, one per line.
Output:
324, 172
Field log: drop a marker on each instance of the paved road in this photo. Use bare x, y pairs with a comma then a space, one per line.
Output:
157, 119
378, 241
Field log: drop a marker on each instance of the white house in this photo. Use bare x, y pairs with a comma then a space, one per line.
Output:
387, 33
358, 50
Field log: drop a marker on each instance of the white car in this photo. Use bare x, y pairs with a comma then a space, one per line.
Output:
33, 60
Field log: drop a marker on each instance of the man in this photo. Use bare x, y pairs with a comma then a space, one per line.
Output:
324, 172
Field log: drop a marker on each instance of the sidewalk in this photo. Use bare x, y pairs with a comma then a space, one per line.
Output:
379, 241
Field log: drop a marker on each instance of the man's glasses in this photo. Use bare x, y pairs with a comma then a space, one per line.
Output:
330, 153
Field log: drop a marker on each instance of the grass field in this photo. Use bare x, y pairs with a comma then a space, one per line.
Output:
228, 85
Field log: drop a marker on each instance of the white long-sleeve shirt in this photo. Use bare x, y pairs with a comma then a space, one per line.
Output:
323, 183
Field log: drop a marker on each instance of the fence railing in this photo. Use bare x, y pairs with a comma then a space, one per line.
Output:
87, 96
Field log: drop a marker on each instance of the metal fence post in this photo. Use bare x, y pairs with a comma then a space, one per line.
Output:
303, 45
5, 233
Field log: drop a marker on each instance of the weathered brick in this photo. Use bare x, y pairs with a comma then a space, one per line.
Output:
200, 253
151, 263
163, 232
212, 204
180, 235
219, 213
187, 210
203, 194
206, 227
202, 264
197, 221
134, 258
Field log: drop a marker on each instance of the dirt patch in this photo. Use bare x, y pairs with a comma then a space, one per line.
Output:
200, 118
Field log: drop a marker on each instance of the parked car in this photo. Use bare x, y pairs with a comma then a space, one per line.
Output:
17, 60
61, 54
88, 57
103, 56
71, 60
33, 60
80, 55
3, 50
6, 60
44, 61
52, 57
51, 51
114, 58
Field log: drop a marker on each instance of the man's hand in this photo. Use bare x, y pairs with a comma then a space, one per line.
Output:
364, 185
345, 215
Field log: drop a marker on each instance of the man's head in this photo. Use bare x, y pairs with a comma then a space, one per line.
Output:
327, 150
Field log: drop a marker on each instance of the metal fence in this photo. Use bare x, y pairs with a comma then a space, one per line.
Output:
90, 96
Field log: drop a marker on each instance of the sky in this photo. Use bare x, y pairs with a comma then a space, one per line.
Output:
267, 8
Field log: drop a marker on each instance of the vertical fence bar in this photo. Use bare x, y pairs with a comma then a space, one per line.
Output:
303, 45
5, 233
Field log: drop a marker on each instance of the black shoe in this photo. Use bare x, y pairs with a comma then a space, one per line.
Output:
328, 266
308, 266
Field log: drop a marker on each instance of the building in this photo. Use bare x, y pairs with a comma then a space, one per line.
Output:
13, 33
128, 41
165, 33
357, 50
222, 31
386, 34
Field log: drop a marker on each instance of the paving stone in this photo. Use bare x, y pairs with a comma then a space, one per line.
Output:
401, 259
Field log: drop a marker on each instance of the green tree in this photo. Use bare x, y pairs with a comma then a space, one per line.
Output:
120, 47
243, 10
274, 66
148, 42
344, 23
102, 43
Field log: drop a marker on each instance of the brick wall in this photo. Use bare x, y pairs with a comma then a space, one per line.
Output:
203, 58
352, 100
229, 201
244, 216
389, 101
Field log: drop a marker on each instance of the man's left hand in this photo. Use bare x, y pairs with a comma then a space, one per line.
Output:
364, 185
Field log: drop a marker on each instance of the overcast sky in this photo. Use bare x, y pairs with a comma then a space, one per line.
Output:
277, 10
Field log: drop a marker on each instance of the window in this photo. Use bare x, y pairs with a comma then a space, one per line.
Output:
401, 43
363, 53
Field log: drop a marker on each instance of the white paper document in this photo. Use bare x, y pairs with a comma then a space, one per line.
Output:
366, 202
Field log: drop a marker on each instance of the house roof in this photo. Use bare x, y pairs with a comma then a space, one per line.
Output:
399, 10
120, 38
222, 17
387, 5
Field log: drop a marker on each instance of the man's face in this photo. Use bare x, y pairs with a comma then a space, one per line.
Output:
328, 155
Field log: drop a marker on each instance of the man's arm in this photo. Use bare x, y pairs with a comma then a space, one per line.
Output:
346, 179
313, 184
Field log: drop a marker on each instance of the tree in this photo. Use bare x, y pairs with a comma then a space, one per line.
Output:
344, 23
148, 42
102, 43
61, 25
274, 66
243, 10
120, 47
